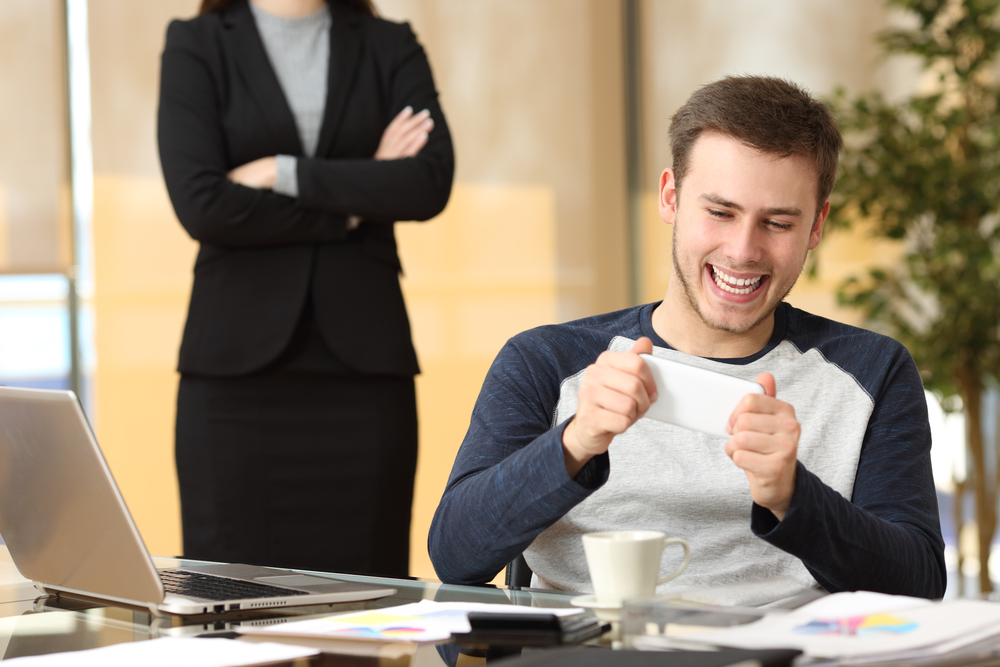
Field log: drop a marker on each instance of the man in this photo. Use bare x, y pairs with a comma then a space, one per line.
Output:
826, 477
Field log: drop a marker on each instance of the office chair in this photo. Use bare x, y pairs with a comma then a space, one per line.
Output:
518, 574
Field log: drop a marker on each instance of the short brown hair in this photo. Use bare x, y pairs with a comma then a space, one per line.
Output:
766, 113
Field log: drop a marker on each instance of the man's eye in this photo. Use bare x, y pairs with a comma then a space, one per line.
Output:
716, 213
780, 226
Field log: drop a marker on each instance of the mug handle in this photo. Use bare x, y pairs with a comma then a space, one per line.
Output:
684, 563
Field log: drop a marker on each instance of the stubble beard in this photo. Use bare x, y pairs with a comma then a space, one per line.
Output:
692, 299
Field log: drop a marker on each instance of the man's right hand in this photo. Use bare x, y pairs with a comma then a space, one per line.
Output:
615, 393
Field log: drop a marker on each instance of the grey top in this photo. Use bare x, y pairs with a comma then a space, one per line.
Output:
299, 51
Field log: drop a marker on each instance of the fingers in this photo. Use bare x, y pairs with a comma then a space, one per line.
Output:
642, 346
418, 121
766, 380
413, 130
764, 468
616, 391
645, 346
406, 135
626, 376
759, 403
765, 444
770, 423
770, 470
415, 141
770, 436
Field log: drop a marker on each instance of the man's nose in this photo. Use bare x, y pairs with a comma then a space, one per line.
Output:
743, 247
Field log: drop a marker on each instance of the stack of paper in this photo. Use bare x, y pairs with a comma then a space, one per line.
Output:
424, 621
867, 627
170, 652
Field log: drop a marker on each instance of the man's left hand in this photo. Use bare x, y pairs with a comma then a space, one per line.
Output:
764, 444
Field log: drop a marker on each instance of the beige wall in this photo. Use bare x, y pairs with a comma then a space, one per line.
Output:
142, 261
535, 231
532, 93
34, 166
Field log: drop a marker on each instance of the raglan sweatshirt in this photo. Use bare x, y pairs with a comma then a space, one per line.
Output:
863, 515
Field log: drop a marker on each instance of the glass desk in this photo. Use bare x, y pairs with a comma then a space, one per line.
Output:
33, 624
36, 624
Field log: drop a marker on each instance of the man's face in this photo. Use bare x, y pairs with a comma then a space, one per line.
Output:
742, 228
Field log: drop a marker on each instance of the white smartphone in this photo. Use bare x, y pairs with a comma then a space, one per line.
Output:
695, 398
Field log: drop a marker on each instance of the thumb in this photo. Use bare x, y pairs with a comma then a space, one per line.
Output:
766, 380
642, 346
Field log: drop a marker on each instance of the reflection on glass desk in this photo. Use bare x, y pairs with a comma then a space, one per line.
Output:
35, 624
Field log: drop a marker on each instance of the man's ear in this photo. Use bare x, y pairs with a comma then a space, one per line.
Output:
668, 196
817, 229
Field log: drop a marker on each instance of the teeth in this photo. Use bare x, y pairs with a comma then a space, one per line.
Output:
728, 283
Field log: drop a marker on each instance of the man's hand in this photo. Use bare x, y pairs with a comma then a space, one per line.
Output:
405, 135
764, 444
616, 392
257, 174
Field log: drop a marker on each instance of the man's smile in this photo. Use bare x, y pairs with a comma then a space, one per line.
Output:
739, 286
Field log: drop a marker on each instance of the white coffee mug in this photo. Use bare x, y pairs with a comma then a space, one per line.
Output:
625, 564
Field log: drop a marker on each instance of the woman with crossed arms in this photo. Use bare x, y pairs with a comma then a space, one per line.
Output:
292, 134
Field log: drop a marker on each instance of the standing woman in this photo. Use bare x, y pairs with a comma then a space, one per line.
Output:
292, 134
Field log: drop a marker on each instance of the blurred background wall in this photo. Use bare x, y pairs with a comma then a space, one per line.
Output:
538, 228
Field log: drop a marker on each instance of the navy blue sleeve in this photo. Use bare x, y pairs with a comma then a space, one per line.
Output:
509, 481
887, 538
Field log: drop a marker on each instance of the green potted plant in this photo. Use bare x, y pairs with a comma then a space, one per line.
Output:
926, 171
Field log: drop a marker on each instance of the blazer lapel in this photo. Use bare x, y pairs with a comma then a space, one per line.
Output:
345, 57
244, 44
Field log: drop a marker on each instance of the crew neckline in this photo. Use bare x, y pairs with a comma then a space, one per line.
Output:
315, 16
780, 325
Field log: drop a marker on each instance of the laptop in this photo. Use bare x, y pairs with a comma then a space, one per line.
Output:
68, 530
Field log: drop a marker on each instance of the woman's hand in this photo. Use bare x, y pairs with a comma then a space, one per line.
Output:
405, 135
257, 174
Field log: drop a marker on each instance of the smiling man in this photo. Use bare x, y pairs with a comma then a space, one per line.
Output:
826, 477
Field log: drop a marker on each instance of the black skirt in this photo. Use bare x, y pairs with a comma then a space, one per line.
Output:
295, 469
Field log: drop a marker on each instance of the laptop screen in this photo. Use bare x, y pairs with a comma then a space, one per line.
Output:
61, 514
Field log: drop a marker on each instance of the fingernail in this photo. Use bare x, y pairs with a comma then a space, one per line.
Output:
653, 397
426, 111
408, 109
429, 122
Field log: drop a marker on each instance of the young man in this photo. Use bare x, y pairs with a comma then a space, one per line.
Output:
826, 477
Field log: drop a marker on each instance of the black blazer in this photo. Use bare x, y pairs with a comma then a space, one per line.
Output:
221, 106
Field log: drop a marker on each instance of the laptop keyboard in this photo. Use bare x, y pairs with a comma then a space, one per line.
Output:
211, 587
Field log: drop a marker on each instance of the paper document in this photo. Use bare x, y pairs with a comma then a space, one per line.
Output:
170, 652
865, 626
424, 621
